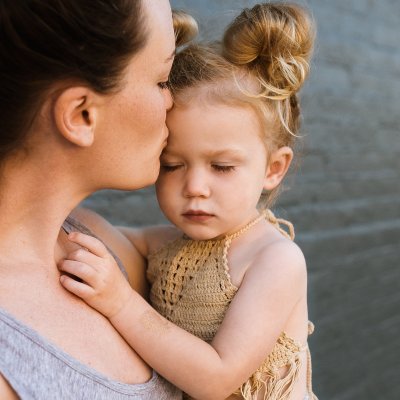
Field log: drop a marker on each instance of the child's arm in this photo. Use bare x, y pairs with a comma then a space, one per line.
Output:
131, 258
268, 295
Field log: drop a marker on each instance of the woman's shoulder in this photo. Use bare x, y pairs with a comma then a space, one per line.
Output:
119, 244
6, 392
103, 229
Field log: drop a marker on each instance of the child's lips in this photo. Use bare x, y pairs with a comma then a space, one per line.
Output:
197, 216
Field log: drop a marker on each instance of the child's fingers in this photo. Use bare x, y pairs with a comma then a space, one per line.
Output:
80, 270
80, 289
84, 256
92, 244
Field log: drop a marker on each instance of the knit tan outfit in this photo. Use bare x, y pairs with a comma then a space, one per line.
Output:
191, 287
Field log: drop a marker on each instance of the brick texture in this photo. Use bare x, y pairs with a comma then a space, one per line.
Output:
344, 197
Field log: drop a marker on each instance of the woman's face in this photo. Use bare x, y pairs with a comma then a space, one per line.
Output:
131, 130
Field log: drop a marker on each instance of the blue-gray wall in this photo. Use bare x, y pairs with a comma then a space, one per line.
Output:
345, 197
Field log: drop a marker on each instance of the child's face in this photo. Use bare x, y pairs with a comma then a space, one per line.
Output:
212, 170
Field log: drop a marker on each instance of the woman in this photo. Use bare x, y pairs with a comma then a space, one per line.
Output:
83, 102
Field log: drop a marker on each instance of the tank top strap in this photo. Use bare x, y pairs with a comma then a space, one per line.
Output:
73, 225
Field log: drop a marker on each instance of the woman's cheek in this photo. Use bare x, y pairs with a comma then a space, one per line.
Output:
153, 114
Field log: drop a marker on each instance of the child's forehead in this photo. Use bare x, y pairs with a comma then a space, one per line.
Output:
213, 127
230, 152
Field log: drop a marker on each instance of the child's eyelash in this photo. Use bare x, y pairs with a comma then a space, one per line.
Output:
170, 168
223, 168
164, 85
219, 168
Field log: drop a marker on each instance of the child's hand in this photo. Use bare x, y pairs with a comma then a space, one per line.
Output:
103, 286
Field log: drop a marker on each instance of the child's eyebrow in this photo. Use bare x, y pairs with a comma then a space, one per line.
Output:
225, 152
232, 153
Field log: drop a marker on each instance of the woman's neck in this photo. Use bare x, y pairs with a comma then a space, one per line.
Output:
35, 199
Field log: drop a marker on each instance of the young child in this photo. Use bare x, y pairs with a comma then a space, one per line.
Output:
234, 279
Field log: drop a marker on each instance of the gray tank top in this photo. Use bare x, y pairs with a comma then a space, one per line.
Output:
38, 370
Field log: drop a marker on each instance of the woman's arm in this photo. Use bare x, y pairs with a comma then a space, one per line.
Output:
270, 291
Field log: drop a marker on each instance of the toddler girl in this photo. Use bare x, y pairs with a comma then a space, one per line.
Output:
230, 293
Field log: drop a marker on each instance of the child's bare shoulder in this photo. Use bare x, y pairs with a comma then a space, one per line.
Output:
279, 262
150, 238
158, 236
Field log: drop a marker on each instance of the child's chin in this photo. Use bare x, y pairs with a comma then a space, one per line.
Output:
196, 235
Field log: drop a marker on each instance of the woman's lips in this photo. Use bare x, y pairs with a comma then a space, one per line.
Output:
197, 216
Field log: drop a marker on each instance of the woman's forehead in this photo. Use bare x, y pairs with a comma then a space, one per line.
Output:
160, 25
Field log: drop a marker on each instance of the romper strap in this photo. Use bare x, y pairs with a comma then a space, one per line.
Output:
309, 369
269, 215
309, 376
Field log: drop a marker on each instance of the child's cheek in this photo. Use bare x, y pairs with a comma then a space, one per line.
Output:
165, 194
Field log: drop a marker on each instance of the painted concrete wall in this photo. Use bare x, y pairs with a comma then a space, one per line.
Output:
344, 198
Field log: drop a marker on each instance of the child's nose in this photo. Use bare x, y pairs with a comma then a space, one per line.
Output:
196, 185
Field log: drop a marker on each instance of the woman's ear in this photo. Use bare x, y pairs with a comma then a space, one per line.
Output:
278, 165
75, 115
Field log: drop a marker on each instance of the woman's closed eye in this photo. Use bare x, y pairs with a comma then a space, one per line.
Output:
223, 168
164, 85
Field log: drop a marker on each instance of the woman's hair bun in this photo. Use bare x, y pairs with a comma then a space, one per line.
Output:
275, 41
185, 27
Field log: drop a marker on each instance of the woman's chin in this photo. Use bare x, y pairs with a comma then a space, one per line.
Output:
136, 182
147, 177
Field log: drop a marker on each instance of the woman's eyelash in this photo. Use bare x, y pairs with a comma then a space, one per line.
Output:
223, 168
164, 85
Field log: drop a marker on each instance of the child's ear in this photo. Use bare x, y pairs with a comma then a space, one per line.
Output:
279, 163
75, 115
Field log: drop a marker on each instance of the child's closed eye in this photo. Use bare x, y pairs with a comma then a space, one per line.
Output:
223, 168
170, 168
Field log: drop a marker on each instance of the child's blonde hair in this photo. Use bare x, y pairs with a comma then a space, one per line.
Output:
262, 62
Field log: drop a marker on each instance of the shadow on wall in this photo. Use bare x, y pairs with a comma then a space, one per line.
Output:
344, 201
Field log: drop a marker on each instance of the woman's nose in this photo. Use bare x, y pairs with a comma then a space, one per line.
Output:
196, 185
168, 99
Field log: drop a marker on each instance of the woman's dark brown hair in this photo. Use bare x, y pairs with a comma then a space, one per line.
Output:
44, 42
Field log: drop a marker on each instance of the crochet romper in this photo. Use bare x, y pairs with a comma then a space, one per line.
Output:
191, 287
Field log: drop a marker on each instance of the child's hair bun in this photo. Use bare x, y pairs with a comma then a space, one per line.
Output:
275, 41
185, 27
